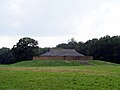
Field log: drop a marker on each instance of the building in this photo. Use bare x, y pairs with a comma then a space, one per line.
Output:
62, 54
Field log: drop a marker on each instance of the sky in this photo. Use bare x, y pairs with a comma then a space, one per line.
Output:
52, 22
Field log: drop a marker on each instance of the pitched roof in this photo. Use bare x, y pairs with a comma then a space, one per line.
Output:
62, 52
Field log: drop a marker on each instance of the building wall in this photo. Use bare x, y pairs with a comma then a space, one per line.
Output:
63, 58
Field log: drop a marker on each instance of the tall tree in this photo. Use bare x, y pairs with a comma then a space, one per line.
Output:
25, 49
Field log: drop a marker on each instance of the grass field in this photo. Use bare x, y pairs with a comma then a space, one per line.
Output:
60, 75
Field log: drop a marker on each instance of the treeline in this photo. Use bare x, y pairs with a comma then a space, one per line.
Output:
106, 48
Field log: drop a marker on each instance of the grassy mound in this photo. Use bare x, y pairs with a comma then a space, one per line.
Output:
37, 63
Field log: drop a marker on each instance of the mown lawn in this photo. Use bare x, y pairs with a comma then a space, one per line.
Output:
97, 77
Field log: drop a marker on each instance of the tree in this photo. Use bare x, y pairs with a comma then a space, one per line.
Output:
81, 48
6, 56
63, 46
25, 49
91, 47
106, 48
72, 44
43, 50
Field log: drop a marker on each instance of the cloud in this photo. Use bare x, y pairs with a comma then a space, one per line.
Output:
36, 18
101, 19
15, 24
109, 20
81, 19
52, 41
7, 41
16, 7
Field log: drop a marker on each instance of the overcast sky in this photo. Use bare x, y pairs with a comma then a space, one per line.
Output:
52, 22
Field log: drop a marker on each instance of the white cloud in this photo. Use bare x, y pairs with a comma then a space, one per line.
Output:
15, 24
16, 7
100, 20
9, 41
58, 20
109, 21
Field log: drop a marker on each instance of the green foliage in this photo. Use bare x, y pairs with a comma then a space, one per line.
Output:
43, 50
6, 56
25, 49
60, 78
71, 44
106, 48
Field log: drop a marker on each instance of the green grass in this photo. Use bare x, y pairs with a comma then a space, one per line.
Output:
98, 62
33, 75
37, 63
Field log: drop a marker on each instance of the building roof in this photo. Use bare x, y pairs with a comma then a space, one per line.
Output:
62, 52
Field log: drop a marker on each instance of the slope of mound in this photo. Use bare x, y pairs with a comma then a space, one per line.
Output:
37, 63
98, 62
